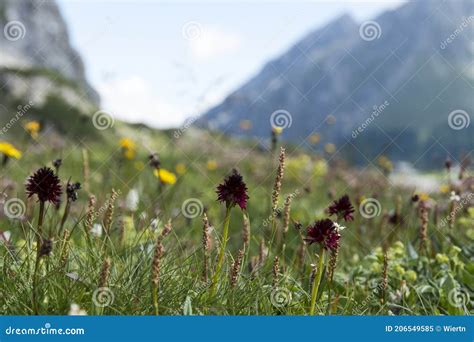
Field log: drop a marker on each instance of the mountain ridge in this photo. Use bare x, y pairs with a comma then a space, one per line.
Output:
348, 72
37, 59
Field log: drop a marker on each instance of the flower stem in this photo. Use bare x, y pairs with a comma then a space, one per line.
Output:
155, 299
39, 240
220, 259
65, 215
317, 280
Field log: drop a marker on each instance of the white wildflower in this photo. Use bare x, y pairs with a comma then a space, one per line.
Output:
97, 230
5, 236
154, 223
75, 310
339, 227
454, 197
132, 200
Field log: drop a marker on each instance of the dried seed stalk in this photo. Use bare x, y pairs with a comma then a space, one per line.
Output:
236, 265
206, 247
278, 180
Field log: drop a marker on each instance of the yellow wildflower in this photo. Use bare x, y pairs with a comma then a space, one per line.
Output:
127, 143
385, 163
297, 164
180, 168
128, 148
444, 188
129, 153
211, 165
320, 168
470, 211
139, 165
454, 251
245, 125
9, 151
424, 196
331, 119
314, 138
399, 269
165, 176
33, 127
442, 258
330, 148
277, 130
375, 267
410, 275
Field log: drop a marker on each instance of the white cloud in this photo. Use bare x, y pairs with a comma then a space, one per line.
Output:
132, 99
211, 43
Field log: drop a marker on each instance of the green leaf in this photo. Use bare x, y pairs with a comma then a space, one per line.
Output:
187, 307
411, 251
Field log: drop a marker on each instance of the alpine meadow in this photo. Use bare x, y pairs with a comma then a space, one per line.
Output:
336, 180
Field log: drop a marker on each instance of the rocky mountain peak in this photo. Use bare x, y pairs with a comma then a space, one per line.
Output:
36, 47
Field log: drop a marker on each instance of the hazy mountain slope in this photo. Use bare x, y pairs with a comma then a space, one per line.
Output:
36, 58
408, 66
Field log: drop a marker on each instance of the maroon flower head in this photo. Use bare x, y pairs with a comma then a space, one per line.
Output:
44, 184
233, 191
342, 208
71, 191
323, 232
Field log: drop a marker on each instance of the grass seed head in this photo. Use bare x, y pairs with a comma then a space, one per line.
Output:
278, 179
236, 265
105, 272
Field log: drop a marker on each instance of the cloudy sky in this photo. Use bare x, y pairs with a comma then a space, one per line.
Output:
160, 62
